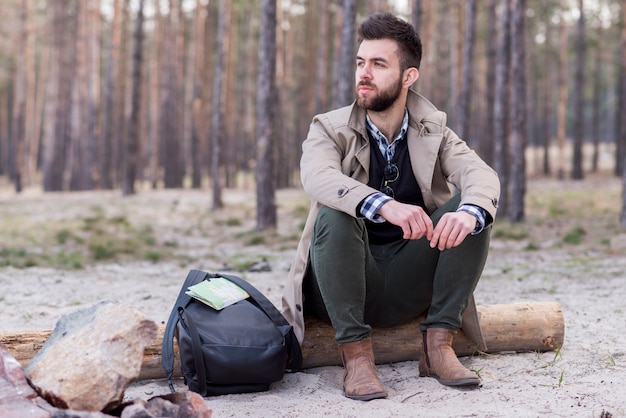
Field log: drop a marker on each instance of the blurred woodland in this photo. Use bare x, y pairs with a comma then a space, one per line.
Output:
123, 94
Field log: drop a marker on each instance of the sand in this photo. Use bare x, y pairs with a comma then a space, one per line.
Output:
584, 378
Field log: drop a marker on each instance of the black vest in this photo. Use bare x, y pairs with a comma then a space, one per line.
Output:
405, 188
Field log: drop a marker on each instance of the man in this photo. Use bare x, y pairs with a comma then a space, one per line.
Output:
386, 240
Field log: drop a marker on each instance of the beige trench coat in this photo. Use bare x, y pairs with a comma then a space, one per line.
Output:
335, 171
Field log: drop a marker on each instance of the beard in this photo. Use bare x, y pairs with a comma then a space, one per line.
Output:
381, 101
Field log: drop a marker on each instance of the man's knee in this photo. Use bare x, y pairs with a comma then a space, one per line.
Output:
336, 224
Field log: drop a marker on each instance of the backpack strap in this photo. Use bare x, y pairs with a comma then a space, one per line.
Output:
294, 361
167, 348
196, 347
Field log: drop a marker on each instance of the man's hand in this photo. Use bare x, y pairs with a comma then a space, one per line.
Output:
452, 229
415, 223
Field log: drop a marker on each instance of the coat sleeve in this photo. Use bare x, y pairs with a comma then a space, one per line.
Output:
330, 172
478, 183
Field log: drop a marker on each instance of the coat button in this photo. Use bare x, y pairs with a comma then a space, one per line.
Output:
340, 192
298, 307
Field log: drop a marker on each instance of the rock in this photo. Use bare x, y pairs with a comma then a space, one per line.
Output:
191, 404
91, 357
175, 405
17, 398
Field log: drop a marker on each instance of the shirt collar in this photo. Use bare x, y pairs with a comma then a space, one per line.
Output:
380, 137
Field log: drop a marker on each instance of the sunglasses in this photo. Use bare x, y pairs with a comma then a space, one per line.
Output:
390, 174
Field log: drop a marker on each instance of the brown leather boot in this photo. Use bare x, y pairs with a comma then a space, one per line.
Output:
439, 360
360, 380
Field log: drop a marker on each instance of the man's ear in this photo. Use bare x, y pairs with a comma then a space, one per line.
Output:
410, 76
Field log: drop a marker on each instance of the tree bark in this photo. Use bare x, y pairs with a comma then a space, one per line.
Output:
622, 124
464, 109
562, 97
57, 93
197, 52
155, 93
344, 71
596, 102
108, 134
487, 139
266, 99
517, 113
579, 98
501, 105
620, 140
93, 94
321, 73
217, 126
18, 124
132, 142
416, 14
78, 166
172, 100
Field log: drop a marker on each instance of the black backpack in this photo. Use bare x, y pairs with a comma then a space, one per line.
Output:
241, 348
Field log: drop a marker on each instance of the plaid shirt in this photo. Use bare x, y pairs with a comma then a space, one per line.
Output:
372, 203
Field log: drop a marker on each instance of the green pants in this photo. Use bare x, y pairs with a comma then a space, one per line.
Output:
355, 285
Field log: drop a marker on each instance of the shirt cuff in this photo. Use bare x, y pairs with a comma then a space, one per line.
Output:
371, 204
478, 212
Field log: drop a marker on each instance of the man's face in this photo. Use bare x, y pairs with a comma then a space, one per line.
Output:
378, 76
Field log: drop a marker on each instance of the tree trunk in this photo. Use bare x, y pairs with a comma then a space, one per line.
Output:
416, 14
197, 51
108, 134
40, 80
547, 106
121, 104
283, 126
78, 166
344, 71
231, 113
321, 73
155, 94
266, 99
217, 126
501, 106
463, 111
517, 113
132, 142
18, 124
620, 140
622, 121
487, 139
34, 93
57, 93
93, 93
596, 102
562, 98
579, 98
455, 68
251, 55
513, 327
172, 100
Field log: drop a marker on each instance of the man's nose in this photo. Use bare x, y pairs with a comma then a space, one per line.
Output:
364, 72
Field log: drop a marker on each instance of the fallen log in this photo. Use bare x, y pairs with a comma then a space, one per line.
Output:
514, 327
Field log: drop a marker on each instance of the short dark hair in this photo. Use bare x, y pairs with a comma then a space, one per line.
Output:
388, 26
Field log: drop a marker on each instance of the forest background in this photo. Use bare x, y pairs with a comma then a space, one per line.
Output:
135, 135
132, 94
